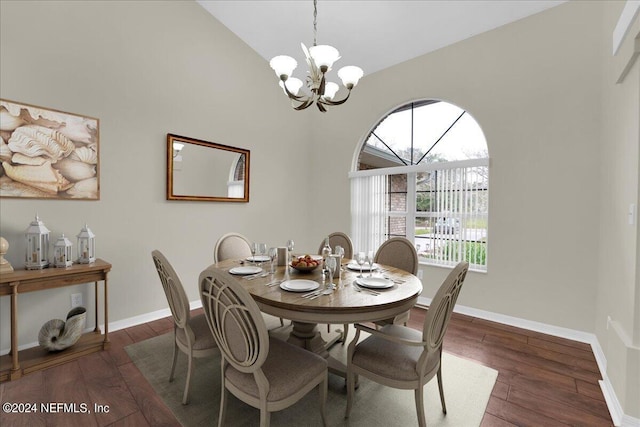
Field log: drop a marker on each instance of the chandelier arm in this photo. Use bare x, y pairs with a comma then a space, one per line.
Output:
321, 107
328, 102
300, 98
303, 105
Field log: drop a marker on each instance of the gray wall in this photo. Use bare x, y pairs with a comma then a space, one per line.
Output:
617, 319
533, 86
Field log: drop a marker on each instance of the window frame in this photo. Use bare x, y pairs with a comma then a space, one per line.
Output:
411, 214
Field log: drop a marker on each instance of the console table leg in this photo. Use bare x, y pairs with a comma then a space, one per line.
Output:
15, 363
97, 328
106, 314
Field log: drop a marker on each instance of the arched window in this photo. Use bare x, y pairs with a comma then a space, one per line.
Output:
423, 173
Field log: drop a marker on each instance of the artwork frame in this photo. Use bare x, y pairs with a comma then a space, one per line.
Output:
47, 153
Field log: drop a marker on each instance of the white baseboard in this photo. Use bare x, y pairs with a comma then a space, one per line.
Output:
148, 317
613, 404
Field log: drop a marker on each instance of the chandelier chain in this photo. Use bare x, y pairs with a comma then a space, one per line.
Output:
315, 21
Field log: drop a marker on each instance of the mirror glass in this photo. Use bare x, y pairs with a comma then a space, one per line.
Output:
201, 170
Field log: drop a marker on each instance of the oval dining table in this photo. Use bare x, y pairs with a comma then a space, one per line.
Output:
347, 304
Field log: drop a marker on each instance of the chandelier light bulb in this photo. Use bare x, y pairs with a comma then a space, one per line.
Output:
283, 65
324, 56
293, 85
330, 90
350, 75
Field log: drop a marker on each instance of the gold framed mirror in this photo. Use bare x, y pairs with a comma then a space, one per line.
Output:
205, 171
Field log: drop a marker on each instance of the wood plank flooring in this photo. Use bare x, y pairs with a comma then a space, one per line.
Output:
542, 380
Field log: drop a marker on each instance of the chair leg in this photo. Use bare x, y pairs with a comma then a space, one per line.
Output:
175, 358
420, 406
350, 392
265, 417
444, 406
223, 405
185, 396
281, 321
322, 391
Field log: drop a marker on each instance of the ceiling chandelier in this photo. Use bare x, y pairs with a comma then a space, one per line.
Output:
320, 59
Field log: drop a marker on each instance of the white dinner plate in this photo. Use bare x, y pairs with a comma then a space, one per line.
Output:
299, 285
365, 267
258, 258
243, 271
375, 282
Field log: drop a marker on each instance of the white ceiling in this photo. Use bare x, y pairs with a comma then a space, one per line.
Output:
370, 34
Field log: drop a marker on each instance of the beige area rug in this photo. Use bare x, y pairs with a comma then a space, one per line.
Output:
467, 387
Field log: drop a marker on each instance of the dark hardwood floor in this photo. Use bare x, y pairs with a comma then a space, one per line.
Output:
542, 380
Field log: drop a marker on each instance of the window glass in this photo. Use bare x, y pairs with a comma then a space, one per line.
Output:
439, 205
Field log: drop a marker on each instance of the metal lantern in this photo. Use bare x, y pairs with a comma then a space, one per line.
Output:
86, 246
37, 245
62, 252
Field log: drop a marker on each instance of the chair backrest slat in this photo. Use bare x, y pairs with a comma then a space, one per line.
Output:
437, 319
235, 321
173, 289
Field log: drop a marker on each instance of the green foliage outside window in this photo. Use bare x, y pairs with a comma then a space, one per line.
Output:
474, 252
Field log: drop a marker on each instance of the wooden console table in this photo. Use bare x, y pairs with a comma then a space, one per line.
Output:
15, 364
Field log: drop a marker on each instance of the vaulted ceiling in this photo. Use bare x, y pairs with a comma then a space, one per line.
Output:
370, 34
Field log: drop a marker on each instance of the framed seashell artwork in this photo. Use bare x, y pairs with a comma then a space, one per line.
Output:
48, 154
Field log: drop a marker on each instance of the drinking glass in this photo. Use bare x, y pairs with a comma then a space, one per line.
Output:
254, 249
370, 262
273, 258
360, 259
290, 244
330, 264
340, 252
262, 250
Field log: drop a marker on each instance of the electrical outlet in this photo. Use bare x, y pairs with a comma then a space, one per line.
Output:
76, 300
420, 274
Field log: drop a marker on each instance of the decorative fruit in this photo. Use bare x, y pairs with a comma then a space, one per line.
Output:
304, 263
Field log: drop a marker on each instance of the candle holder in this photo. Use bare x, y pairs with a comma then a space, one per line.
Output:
62, 256
86, 246
37, 236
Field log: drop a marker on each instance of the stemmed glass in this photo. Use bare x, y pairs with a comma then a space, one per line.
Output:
330, 264
273, 258
262, 250
370, 262
254, 249
360, 259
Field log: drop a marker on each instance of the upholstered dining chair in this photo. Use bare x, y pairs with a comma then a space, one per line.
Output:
339, 238
400, 253
262, 371
231, 246
191, 334
401, 357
